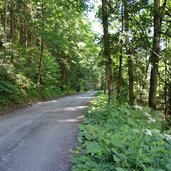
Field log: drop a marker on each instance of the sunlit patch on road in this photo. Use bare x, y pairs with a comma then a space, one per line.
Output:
77, 119
74, 108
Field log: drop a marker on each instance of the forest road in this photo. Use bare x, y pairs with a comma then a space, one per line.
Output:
40, 138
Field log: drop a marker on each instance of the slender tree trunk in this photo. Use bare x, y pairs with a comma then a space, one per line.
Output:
128, 51
169, 110
131, 81
154, 59
105, 83
105, 16
5, 28
165, 92
25, 32
21, 30
12, 22
119, 86
42, 45
119, 82
24, 25
12, 26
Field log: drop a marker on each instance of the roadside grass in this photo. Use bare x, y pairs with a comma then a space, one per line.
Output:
115, 137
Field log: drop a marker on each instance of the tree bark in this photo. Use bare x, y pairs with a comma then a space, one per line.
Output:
12, 26
131, 81
165, 91
119, 82
169, 101
154, 59
25, 41
129, 61
105, 82
24, 25
40, 76
12, 21
5, 29
105, 16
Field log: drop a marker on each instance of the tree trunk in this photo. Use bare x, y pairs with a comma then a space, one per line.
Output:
105, 16
128, 51
119, 82
24, 25
169, 101
5, 28
165, 91
105, 83
12, 26
25, 32
12, 21
42, 45
131, 81
154, 59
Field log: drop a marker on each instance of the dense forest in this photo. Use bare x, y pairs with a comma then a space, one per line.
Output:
129, 129
47, 50
136, 49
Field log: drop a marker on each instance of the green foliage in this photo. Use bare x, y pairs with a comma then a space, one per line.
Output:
49, 51
116, 137
10, 94
16, 88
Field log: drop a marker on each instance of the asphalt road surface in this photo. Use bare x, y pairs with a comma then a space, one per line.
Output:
40, 138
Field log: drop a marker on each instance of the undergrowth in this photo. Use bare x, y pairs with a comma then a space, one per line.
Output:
17, 89
115, 137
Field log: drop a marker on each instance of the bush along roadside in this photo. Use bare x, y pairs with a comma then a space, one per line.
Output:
14, 97
115, 137
18, 90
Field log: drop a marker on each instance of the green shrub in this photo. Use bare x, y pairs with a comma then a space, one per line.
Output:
11, 93
17, 88
48, 92
116, 137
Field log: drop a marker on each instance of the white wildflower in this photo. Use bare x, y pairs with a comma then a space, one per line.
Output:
167, 137
147, 114
151, 120
148, 132
138, 107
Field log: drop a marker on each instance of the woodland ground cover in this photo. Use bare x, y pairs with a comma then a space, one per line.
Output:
116, 137
17, 89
